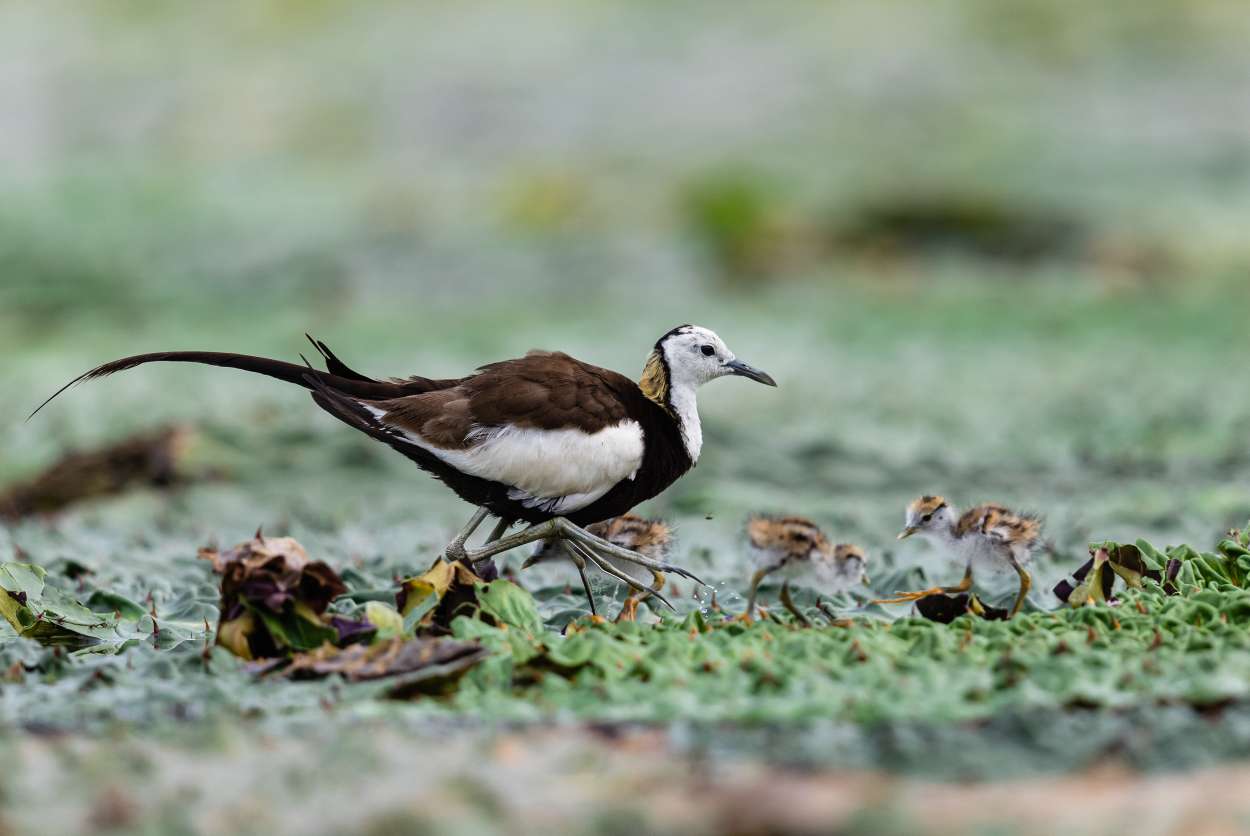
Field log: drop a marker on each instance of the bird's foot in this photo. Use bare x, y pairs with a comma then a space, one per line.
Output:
592, 555
572, 532
908, 597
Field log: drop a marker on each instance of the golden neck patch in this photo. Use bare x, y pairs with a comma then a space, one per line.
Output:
654, 382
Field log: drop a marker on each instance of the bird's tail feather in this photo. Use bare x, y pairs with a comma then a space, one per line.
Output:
354, 384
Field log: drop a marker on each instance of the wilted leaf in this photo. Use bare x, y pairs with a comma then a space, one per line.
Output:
1094, 581
946, 608
152, 458
435, 597
299, 628
233, 635
273, 579
424, 666
352, 630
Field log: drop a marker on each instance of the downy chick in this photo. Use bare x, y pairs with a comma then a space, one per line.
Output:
986, 534
795, 546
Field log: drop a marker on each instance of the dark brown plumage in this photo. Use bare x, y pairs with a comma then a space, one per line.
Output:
543, 391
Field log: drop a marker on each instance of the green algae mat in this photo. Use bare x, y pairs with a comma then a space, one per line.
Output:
1150, 660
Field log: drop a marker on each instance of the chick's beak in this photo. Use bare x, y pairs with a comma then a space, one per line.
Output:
742, 369
907, 532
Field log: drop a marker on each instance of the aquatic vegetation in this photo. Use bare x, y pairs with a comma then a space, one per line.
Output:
1173, 633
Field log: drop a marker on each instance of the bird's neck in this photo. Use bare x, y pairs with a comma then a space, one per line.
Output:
677, 399
684, 408
946, 535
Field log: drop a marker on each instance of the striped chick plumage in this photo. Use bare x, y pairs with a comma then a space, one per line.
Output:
986, 537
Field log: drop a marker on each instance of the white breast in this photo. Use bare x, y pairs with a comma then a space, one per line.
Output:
565, 469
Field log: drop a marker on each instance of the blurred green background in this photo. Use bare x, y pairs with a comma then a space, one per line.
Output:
987, 251
995, 251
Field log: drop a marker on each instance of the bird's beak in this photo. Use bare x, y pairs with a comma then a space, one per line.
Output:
907, 532
742, 369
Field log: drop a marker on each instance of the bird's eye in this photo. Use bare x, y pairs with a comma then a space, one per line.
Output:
926, 518
707, 350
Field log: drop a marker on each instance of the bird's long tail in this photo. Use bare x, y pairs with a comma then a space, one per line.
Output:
345, 381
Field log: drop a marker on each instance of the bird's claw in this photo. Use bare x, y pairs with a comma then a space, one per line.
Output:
677, 570
667, 603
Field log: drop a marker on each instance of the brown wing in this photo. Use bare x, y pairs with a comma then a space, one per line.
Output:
545, 391
973, 520
1012, 528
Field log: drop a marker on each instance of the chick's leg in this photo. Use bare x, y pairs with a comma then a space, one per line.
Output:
629, 609
788, 603
756, 580
1026, 583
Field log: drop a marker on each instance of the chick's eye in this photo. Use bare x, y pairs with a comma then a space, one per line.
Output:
707, 350
926, 518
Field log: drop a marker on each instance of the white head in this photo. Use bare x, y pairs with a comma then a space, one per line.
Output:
695, 355
683, 359
930, 517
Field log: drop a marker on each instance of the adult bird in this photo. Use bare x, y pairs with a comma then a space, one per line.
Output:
545, 438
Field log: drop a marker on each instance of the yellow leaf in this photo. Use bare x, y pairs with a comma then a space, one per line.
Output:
232, 635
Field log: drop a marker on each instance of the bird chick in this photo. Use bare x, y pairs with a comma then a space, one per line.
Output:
794, 546
650, 538
987, 534
847, 569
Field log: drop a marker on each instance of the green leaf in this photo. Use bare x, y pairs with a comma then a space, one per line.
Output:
103, 601
46, 614
386, 618
509, 604
21, 578
295, 630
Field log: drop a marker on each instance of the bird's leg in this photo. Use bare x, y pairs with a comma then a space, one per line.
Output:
659, 580
529, 534
580, 563
594, 547
569, 531
904, 597
1026, 582
629, 609
756, 580
498, 531
609, 569
833, 617
455, 549
788, 603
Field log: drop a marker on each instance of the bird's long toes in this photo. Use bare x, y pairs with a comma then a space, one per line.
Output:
677, 570
667, 603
